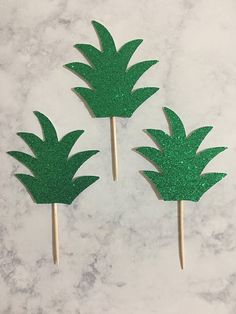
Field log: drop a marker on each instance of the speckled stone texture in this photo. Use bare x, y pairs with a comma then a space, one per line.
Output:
118, 242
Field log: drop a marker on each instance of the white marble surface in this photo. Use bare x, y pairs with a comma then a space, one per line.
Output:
118, 241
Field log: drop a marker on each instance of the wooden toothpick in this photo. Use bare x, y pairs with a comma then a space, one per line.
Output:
55, 239
114, 149
181, 233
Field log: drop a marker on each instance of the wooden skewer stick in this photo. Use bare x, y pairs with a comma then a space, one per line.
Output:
55, 239
181, 233
114, 149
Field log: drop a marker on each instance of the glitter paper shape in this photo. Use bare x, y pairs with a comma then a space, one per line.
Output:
180, 165
111, 82
53, 170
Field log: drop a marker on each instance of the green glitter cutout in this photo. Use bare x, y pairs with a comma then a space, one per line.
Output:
111, 82
53, 171
179, 164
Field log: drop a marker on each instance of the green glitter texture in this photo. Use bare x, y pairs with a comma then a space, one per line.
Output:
53, 171
178, 163
111, 93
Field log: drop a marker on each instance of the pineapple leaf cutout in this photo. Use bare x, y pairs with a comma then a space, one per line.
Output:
111, 81
179, 165
52, 180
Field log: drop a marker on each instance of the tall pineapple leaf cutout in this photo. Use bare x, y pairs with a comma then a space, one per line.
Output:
53, 170
111, 82
180, 166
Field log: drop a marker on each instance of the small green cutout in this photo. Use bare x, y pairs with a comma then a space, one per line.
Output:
111, 82
53, 170
180, 165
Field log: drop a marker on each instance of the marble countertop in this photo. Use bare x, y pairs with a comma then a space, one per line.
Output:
118, 242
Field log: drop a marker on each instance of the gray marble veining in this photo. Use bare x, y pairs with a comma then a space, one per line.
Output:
118, 242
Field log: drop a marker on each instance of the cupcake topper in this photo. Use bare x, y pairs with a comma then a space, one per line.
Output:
52, 180
180, 166
111, 81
